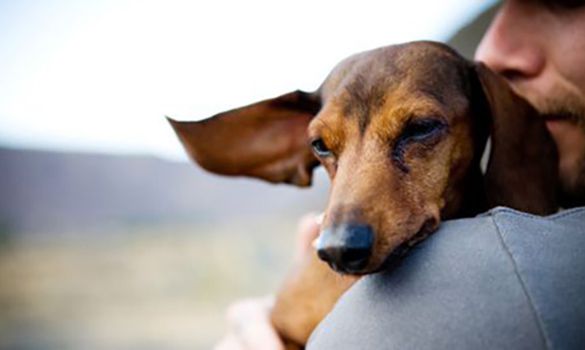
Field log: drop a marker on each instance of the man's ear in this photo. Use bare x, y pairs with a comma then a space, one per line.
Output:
522, 171
266, 140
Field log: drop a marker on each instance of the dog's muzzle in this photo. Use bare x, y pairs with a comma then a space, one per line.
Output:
347, 248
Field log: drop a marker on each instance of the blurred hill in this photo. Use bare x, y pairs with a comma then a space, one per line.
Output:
466, 39
44, 191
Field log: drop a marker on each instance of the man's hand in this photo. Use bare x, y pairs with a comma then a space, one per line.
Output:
250, 327
249, 319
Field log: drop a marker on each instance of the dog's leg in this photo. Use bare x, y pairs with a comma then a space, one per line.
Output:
308, 294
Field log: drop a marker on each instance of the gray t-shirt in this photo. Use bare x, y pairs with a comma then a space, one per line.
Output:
502, 280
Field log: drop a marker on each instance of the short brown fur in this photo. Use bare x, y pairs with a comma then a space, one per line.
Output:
400, 187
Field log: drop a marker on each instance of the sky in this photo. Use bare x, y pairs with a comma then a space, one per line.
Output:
100, 76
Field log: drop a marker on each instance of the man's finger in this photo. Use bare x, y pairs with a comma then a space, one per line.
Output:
229, 342
307, 231
250, 324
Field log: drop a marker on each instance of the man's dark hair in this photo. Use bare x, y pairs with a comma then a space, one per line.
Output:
562, 4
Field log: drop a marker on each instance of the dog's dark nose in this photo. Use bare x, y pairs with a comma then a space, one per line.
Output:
346, 248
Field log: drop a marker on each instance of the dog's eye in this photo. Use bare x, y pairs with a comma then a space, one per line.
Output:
320, 148
422, 129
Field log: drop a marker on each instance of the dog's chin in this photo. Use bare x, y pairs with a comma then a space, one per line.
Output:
391, 260
353, 271
394, 258
348, 270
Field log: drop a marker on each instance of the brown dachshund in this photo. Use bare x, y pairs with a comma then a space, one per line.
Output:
401, 131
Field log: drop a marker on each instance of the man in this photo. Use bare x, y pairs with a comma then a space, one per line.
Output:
504, 279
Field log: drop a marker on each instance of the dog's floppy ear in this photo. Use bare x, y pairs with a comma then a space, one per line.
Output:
266, 140
522, 170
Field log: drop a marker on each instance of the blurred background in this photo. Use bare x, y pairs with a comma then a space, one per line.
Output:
109, 238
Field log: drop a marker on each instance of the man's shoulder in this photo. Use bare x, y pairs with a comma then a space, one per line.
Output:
504, 279
507, 221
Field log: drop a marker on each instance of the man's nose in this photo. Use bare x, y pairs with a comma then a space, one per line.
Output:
512, 45
346, 248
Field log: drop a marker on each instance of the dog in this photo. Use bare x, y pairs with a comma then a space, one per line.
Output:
401, 131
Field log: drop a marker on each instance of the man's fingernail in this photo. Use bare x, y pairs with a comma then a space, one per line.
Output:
319, 218
315, 244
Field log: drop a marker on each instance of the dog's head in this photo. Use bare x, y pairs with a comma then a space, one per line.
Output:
400, 131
